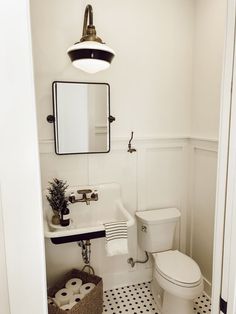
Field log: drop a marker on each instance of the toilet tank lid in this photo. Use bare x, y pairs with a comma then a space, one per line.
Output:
158, 215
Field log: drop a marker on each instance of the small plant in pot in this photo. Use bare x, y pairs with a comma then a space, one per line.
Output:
58, 202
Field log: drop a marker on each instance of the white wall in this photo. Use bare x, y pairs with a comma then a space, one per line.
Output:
203, 156
143, 80
153, 177
209, 34
210, 22
155, 92
151, 70
19, 166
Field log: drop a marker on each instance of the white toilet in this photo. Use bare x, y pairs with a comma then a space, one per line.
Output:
177, 278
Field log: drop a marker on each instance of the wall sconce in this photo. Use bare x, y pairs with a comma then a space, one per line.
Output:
90, 54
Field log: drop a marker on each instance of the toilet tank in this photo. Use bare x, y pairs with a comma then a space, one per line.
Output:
156, 229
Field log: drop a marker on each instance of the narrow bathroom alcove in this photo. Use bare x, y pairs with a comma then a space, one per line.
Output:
165, 85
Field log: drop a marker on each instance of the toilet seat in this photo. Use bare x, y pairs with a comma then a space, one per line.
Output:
178, 268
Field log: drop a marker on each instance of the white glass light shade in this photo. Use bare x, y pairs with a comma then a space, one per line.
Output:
91, 65
91, 56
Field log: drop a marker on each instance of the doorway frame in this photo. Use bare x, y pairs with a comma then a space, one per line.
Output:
223, 208
20, 187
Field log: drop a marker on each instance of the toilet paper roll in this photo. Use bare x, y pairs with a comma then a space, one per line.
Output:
68, 307
63, 296
74, 285
86, 288
52, 301
77, 297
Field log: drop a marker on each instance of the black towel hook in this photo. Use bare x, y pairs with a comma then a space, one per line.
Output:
130, 149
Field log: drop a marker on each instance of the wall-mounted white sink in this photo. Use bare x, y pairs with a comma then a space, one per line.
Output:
89, 218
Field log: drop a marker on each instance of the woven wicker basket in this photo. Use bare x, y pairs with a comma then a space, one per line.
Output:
92, 303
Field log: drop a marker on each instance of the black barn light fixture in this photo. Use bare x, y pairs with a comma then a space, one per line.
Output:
90, 54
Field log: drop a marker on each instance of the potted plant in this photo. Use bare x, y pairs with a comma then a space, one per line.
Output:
57, 200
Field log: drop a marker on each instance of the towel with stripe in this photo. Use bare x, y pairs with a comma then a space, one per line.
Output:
116, 238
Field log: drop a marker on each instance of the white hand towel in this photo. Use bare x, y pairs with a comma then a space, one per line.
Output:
116, 238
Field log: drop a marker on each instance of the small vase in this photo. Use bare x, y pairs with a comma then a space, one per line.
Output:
56, 219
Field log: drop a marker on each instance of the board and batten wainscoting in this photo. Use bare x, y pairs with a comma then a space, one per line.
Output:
202, 192
164, 172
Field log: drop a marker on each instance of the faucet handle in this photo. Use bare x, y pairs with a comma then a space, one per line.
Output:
71, 197
94, 195
84, 191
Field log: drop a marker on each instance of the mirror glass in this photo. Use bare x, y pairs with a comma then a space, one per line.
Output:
81, 112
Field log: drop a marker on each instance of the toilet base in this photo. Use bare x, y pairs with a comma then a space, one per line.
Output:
157, 293
175, 305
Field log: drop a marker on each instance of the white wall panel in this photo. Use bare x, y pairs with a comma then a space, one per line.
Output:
156, 176
208, 53
153, 177
166, 183
164, 177
202, 205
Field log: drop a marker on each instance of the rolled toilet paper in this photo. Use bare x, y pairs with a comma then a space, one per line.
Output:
63, 296
74, 285
68, 307
77, 297
87, 287
52, 301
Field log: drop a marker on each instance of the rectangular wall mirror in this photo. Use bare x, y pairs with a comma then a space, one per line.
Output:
82, 115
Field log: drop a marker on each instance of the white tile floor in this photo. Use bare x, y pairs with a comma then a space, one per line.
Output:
136, 299
202, 305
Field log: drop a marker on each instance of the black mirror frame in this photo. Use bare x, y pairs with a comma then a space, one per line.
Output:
52, 118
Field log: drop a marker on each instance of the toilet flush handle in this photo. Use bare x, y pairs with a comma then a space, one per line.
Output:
144, 228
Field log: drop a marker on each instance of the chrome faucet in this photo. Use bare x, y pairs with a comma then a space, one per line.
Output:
93, 197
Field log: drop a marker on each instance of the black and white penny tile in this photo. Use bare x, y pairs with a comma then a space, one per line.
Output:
137, 299
202, 305
133, 299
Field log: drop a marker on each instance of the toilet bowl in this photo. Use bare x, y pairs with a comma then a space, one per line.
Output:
177, 279
180, 278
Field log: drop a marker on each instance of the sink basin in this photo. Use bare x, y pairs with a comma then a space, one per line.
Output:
89, 219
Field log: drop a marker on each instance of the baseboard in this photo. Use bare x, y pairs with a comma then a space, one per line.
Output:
116, 280
207, 287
